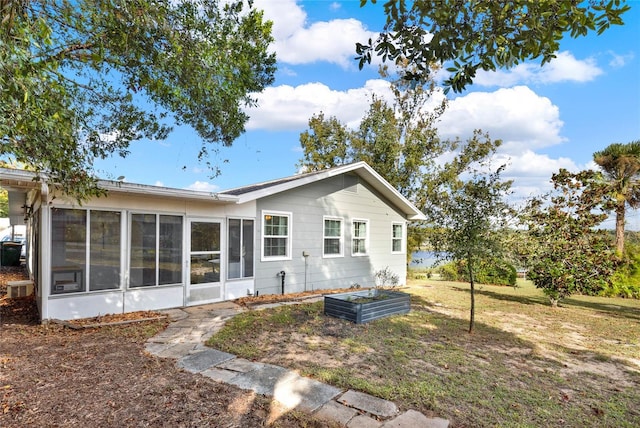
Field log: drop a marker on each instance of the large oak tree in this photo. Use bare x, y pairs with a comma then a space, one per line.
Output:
83, 79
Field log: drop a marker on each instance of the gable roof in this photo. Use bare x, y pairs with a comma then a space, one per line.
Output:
23, 180
361, 169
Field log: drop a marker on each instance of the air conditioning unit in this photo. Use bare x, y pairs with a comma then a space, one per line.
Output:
19, 289
66, 286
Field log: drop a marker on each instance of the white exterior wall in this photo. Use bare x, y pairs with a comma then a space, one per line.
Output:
93, 303
344, 197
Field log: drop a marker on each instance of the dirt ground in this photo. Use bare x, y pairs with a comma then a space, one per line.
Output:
51, 375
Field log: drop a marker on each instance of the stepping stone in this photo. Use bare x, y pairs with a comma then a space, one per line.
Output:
336, 412
297, 392
203, 360
412, 418
368, 403
240, 365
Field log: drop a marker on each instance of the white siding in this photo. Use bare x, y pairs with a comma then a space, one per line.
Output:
342, 197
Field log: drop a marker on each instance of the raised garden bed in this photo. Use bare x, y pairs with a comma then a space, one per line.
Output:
366, 305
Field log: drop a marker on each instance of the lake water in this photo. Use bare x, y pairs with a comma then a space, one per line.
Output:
423, 259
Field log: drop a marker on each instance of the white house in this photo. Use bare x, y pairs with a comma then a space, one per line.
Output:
147, 247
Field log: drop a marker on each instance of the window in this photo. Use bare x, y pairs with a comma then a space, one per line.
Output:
240, 254
360, 237
333, 243
156, 250
104, 250
73, 232
397, 238
276, 236
68, 250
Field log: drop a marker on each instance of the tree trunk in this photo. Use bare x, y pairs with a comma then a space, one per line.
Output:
620, 206
473, 297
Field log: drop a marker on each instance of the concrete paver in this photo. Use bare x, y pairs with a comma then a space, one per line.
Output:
333, 411
367, 403
219, 375
240, 365
411, 419
362, 421
262, 381
295, 391
202, 360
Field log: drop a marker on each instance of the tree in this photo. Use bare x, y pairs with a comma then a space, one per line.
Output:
81, 80
398, 140
325, 144
401, 142
568, 253
4, 203
483, 35
621, 166
468, 221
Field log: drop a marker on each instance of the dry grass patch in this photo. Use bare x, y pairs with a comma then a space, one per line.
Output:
527, 364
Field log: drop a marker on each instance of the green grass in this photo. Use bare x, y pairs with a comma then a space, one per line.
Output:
526, 364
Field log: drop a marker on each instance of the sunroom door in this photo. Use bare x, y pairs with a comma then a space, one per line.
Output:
205, 268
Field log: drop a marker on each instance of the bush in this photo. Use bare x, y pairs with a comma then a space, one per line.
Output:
625, 282
495, 272
449, 272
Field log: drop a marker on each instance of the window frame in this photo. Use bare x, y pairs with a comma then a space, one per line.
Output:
365, 238
325, 237
264, 236
401, 238
157, 249
83, 274
243, 258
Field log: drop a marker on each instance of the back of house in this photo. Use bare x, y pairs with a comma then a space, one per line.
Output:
148, 248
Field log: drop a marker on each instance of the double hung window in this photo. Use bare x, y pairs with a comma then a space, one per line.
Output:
360, 237
276, 236
333, 237
397, 238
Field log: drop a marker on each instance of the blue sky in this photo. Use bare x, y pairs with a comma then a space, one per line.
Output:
548, 117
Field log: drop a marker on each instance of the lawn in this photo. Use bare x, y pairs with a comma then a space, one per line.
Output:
526, 364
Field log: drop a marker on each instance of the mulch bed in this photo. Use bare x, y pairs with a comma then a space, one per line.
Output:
51, 375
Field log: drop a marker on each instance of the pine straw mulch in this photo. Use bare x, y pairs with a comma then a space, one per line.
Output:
51, 375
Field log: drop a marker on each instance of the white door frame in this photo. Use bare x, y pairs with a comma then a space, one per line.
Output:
206, 287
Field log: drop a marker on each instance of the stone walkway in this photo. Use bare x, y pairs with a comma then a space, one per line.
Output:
184, 338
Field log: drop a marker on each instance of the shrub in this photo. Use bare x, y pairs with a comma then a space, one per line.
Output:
495, 271
386, 277
625, 282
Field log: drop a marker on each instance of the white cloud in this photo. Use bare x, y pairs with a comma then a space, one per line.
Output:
564, 68
298, 42
203, 186
159, 183
518, 116
532, 172
290, 108
618, 61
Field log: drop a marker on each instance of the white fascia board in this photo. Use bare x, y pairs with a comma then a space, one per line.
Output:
17, 178
167, 192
